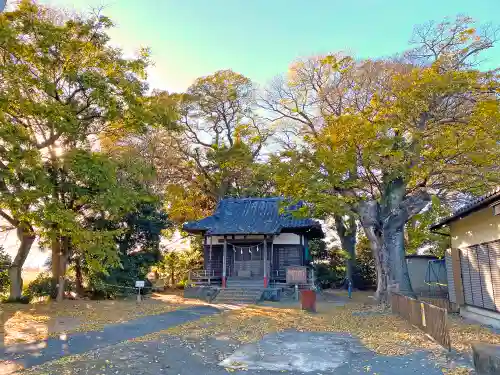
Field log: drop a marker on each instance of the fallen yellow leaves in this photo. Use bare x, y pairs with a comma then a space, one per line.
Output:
462, 334
378, 330
457, 371
383, 333
34, 322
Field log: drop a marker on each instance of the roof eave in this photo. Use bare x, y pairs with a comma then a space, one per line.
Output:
194, 230
461, 214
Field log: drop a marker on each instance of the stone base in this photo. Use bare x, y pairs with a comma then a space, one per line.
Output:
486, 358
205, 293
271, 294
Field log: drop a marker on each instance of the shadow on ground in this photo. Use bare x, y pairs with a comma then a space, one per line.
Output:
28, 355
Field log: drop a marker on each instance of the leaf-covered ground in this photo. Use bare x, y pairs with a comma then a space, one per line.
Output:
34, 322
379, 331
377, 328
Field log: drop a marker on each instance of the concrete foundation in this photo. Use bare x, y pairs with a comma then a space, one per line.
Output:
482, 316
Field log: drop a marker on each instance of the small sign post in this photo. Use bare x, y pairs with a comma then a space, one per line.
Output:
139, 284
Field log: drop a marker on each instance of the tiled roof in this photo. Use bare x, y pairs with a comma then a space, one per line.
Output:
250, 216
469, 208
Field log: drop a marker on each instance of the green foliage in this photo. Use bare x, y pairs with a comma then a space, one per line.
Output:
5, 262
139, 249
66, 93
121, 280
365, 275
418, 235
175, 265
329, 263
42, 286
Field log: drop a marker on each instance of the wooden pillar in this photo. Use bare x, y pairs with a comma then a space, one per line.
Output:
210, 261
303, 252
224, 261
265, 262
457, 276
272, 259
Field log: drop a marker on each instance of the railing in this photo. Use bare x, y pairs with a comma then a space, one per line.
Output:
431, 319
202, 277
201, 274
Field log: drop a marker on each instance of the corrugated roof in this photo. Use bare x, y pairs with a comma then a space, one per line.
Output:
473, 206
249, 216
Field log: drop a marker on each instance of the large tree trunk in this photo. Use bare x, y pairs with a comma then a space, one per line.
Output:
384, 225
172, 276
78, 276
56, 265
394, 217
63, 261
60, 251
398, 209
346, 230
26, 238
369, 216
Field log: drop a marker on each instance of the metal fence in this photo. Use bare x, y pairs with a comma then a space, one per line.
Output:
431, 319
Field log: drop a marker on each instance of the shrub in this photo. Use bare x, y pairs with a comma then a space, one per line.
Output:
365, 276
327, 276
181, 284
42, 286
5, 262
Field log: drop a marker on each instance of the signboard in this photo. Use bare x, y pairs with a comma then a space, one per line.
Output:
296, 275
139, 284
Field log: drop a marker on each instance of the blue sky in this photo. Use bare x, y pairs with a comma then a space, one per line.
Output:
260, 38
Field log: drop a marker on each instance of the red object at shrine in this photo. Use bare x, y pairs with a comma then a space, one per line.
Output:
308, 300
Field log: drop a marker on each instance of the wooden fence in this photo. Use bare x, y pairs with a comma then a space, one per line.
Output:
441, 302
431, 319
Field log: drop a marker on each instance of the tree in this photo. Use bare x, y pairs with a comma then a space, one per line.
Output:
92, 187
412, 132
316, 89
138, 241
62, 87
217, 148
176, 265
